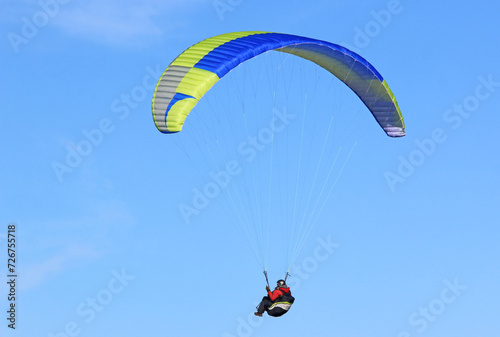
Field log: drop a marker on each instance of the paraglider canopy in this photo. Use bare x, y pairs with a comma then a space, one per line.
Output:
197, 69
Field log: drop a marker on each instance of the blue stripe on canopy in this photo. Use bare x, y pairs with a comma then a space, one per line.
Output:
228, 55
177, 97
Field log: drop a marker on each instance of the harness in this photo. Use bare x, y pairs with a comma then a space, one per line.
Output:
281, 305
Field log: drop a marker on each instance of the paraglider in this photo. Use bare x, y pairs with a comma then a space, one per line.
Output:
191, 75
277, 302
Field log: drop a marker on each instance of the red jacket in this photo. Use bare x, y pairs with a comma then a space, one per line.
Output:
278, 292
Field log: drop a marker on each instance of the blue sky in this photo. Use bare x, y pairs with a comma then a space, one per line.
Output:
406, 245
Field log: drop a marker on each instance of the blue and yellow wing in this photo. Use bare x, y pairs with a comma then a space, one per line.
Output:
197, 69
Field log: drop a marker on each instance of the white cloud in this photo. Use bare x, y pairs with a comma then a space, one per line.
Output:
109, 22
51, 249
120, 22
35, 274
